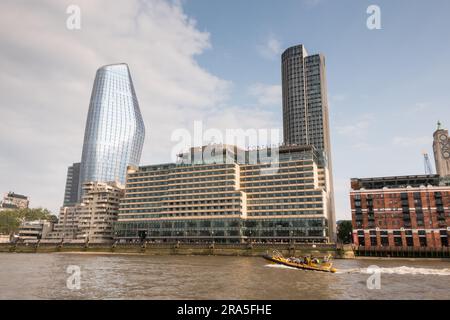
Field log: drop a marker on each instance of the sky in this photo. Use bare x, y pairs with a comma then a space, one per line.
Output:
218, 62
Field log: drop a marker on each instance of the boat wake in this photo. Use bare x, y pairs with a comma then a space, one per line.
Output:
403, 270
399, 270
280, 266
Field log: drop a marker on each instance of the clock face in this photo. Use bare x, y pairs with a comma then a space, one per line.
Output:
444, 143
446, 153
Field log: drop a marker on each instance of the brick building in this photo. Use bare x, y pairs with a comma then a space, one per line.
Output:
400, 212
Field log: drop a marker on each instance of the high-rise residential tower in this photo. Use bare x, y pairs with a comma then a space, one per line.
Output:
72, 180
305, 108
115, 132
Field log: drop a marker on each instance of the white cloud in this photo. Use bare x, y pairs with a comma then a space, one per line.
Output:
271, 48
411, 141
48, 72
252, 118
312, 3
337, 98
420, 107
362, 145
266, 95
358, 128
356, 133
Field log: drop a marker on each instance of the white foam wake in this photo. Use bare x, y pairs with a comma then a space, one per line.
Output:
280, 266
400, 270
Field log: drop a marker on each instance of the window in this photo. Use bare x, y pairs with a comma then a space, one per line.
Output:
409, 241
361, 241
423, 241
373, 241
444, 240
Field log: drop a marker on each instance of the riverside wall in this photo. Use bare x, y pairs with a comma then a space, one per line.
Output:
182, 249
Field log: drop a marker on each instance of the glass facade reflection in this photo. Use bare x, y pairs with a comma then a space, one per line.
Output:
115, 132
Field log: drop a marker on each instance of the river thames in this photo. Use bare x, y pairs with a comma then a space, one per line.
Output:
107, 276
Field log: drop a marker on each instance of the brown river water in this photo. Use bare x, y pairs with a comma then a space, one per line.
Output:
107, 276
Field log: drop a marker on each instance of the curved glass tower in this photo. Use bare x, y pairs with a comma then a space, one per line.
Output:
115, 132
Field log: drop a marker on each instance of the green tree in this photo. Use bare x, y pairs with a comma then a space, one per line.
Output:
11, 219
9, 222
345, 229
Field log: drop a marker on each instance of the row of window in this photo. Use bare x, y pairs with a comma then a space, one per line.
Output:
261, 224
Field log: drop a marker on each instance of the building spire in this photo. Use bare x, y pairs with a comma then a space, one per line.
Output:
439, 124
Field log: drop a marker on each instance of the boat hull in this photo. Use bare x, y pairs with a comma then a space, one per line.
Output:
312, 266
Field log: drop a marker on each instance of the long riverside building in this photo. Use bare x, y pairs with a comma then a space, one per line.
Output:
228, 201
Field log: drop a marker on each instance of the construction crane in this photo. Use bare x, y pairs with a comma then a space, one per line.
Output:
427, 163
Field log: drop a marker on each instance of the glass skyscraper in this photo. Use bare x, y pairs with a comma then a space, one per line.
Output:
115, 131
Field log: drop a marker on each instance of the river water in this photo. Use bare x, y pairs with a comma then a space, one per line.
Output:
107, 276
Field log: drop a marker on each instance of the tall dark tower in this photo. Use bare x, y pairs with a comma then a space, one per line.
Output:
305, 105
305, 110
72, 181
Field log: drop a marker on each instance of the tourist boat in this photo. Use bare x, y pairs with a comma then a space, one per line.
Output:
302, 263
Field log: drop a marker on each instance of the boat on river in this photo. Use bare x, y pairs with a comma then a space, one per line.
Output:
305, 263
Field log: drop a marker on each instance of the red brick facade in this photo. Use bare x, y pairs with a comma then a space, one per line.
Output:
401, 216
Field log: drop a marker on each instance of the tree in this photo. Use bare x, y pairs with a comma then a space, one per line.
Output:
9, 222
345, 231
11, 219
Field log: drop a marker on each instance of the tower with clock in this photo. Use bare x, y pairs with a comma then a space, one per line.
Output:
441, 149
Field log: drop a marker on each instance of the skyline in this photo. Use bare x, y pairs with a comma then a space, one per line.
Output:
201, 77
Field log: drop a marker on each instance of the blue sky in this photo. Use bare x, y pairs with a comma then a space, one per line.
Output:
387, 88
